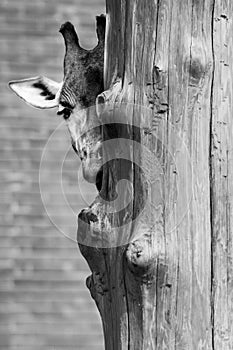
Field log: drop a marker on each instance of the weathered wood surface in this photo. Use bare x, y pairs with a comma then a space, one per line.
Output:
168, 288
222, 175
44, 303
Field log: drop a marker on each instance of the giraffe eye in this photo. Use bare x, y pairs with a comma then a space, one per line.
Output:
65, 111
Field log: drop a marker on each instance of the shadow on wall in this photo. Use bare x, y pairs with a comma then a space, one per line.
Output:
44, 303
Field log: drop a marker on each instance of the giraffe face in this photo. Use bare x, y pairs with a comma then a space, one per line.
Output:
75, 96
82, 123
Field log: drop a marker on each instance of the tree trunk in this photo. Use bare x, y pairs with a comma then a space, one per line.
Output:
158, 238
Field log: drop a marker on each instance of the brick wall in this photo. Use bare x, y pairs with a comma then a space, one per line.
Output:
44, 303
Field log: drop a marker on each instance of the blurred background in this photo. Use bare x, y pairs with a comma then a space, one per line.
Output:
44, 303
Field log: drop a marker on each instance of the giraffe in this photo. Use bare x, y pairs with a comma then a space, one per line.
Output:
74, 96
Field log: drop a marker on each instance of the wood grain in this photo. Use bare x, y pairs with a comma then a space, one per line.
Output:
221, 176
167, 287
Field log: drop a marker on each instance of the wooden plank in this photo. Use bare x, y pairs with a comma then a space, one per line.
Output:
222, 174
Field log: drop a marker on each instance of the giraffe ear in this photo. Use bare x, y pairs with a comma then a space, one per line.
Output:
39, 92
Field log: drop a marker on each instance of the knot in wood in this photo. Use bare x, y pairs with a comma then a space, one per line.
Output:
197, 61
196, 71
140, 259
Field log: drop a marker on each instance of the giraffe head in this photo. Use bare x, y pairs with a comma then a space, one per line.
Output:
73, 97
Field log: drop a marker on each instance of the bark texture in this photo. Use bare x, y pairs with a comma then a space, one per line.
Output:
162, 265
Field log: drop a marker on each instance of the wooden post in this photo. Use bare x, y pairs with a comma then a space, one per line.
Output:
162, 265
221, 174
